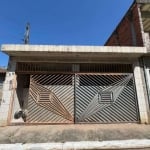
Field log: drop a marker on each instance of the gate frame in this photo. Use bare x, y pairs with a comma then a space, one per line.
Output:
75, 98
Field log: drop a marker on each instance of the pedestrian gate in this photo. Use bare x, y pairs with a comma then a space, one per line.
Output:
82, 98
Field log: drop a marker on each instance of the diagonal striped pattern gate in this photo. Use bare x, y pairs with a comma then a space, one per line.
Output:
105, 98
51, 99
82, 98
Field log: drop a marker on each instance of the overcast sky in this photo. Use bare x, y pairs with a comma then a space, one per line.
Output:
59, 22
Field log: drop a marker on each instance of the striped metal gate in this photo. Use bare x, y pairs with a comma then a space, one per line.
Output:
82, 98
105, 98
51, 99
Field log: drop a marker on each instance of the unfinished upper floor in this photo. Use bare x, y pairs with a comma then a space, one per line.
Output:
134, 28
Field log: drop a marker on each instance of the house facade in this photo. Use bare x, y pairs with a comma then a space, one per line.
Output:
49, 84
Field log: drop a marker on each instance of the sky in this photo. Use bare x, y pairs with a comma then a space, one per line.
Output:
59, 22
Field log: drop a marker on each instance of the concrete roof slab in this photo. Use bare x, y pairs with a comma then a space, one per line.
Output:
61, 50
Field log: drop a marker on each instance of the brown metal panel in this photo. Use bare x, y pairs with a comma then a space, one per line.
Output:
51, 99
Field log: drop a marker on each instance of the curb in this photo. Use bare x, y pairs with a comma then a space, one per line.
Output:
85, 145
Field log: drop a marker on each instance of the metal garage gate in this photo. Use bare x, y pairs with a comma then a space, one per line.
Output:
51, 99
105, 98
101, 93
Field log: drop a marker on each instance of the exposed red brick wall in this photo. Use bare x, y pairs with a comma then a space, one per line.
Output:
122, 36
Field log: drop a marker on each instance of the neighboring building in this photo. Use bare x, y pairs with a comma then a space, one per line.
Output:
134, 28
2, 79
80, 84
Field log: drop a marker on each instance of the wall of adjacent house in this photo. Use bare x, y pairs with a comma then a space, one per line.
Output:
2, 78
9, 86
128, 32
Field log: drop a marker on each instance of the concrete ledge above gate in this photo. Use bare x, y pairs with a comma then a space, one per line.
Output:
74, 51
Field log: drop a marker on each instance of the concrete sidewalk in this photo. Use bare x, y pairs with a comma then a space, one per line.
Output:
88, 145
75, 137
75, 133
